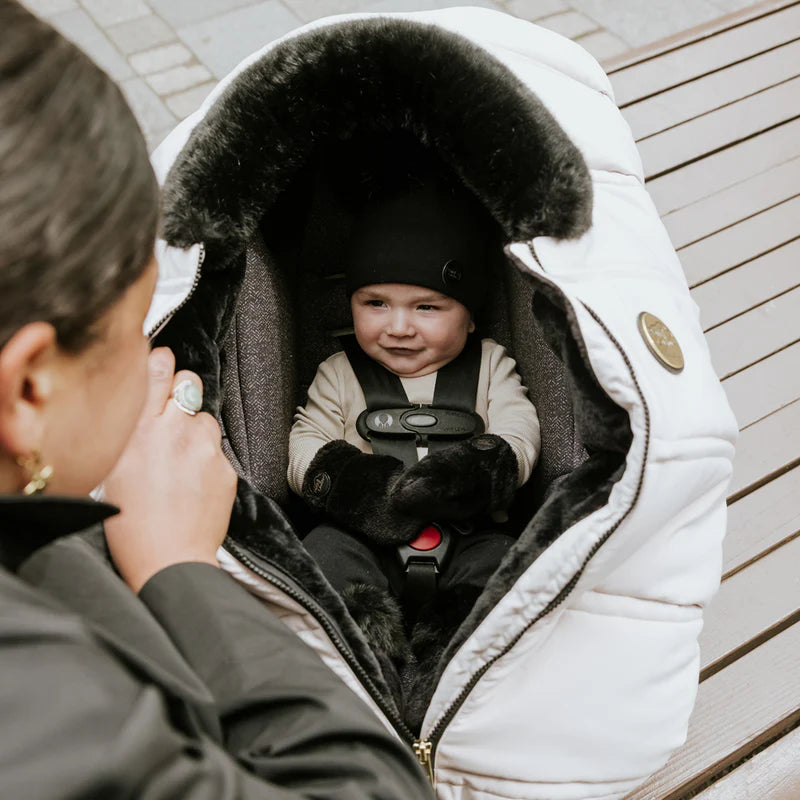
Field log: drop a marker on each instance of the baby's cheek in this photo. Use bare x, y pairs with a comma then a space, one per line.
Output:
366, 332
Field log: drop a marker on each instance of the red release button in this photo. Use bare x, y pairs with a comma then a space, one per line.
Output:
428, 538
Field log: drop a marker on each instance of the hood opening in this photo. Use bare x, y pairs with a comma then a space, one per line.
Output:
374, 76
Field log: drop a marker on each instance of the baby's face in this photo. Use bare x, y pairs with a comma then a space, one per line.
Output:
410, 330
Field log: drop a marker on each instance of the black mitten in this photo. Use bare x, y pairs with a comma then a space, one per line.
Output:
460, 481
353, 489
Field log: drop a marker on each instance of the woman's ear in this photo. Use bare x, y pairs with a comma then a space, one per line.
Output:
27, 362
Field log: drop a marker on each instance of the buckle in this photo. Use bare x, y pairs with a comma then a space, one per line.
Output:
420, 422
430, 547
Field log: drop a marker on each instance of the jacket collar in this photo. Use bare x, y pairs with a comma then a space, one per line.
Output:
29, 523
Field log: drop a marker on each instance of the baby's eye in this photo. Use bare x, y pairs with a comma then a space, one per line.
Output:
427, 307
374, 303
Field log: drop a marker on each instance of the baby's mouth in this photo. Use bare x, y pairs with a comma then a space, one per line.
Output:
401, 351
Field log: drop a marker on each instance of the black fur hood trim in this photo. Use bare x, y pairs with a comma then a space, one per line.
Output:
384, 75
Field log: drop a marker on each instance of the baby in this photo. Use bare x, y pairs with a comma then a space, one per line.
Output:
416, 274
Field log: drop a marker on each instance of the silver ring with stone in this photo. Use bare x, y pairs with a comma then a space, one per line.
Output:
188, 396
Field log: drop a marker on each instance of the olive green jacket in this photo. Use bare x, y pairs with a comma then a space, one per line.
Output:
191, 690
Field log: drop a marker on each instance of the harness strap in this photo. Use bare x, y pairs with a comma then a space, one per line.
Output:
420, 584
382, 389
423, 559
457, 385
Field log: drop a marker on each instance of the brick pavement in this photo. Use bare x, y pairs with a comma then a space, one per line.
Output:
168, 54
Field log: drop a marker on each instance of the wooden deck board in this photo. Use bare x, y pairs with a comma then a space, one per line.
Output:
716, 129
778, 382
744, 612
747, 703
755, 334
742, 242
771, 775
724, 169
761, 521
766, 449
699, 58
702, 95
717, 117
734, 204
754, 283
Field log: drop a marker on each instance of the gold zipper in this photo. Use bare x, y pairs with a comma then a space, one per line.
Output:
422, 750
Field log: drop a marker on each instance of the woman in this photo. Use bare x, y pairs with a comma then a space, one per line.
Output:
99, 700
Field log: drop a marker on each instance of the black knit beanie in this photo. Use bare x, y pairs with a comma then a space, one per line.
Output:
427, 232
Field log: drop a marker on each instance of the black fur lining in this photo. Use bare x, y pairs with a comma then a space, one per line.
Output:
380, 618
380, 76
195, 332
432, 630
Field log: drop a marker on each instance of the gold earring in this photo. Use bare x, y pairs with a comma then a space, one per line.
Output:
39, 475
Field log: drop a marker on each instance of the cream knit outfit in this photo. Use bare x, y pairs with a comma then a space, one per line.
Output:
335, 400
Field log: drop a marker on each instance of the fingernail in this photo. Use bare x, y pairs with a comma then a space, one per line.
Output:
159, 363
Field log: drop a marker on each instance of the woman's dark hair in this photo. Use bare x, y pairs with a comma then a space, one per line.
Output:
78, 198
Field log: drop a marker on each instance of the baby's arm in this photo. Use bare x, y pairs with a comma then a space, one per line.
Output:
510, 413
321, 421
334, 477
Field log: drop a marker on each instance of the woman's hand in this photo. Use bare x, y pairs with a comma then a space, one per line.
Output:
173, 483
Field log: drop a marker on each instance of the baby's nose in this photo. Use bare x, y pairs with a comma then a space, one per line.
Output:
400, 324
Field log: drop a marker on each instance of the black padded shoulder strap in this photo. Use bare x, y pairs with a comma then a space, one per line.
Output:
382, 389
457, 382
457, 385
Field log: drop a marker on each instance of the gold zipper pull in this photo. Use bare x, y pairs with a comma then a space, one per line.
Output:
422, 750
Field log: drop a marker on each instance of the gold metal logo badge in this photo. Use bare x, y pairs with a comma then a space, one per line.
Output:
661, 342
